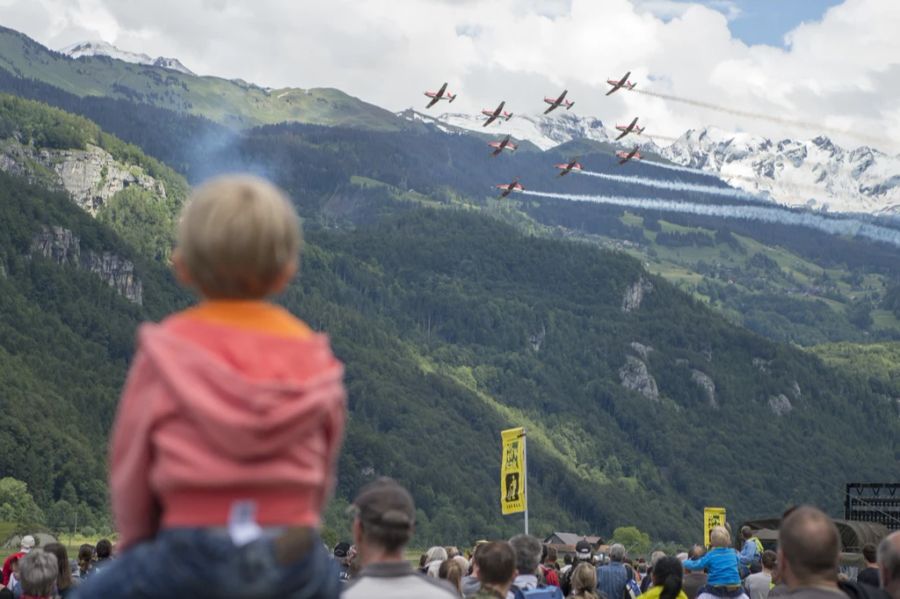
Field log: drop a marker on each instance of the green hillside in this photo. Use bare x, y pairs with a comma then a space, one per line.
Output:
642, 404
230, 102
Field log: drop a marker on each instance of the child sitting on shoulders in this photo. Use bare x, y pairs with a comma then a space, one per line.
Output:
224, 449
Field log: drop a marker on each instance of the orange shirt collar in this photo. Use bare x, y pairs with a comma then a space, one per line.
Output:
252, 315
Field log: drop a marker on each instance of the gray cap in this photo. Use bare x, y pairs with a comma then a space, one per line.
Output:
386, 503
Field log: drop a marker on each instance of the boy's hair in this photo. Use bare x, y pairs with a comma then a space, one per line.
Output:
236, 236
719, 537
103, 549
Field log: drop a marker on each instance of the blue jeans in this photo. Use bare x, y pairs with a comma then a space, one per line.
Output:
197, 562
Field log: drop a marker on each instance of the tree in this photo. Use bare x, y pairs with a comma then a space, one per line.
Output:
17, 505
635, 541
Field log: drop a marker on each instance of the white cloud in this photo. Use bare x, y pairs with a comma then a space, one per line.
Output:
843, 71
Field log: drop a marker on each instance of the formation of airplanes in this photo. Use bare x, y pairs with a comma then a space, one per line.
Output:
499, 114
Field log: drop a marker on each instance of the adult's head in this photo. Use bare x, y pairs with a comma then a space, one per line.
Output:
583, 551
384, 522
37, 573
528, 553
104, 549
668, 574
435, 554
64, 577
870, 553
769, 560
452, 551
719, 537
85, 556
452, 572
889, 564
746, 532
552, 555
27, 544
496, 563
584, 578
808, 549
617, 552
655, 557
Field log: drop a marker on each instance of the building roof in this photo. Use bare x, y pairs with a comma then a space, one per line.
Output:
570, 538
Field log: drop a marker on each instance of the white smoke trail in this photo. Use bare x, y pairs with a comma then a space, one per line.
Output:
788, 122
850, 227
681, 169
679, 186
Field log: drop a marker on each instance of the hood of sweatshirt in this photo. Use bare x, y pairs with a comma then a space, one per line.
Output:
239, 413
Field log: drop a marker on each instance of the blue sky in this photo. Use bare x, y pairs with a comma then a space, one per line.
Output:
767, 21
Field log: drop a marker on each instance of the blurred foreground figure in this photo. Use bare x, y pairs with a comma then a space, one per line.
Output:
225, 444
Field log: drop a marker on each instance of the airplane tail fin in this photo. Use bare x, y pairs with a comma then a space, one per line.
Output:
452, 97
571, 104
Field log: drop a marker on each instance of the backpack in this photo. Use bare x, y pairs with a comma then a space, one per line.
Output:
541, 592
632, 589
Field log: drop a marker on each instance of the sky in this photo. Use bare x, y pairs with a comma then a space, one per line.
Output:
780, 68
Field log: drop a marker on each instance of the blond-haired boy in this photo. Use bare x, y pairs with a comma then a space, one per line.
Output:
224, 449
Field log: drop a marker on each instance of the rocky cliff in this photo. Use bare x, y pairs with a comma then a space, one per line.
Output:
63, 247
91, 176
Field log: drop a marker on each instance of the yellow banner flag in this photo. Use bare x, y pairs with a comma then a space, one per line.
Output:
512, 471
712, 516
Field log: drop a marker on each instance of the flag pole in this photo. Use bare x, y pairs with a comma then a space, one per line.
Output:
525, 471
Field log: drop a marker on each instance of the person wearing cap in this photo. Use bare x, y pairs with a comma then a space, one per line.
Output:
584, 553
383, 525
342, 557
25, 546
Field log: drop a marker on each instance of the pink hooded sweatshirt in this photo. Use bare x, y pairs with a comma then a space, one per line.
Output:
225, 402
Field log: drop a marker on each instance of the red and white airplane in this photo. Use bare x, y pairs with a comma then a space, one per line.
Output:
508, 188
441, 94
503, 144
629, 128
497, 113
568, 167
557, 102
626, 156
623, 82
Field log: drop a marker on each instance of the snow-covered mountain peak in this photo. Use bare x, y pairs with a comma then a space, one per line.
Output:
101, 48
816, 173
544, 131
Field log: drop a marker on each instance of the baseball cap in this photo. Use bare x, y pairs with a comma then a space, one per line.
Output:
27, 543
341, 549
583, 550
386, 503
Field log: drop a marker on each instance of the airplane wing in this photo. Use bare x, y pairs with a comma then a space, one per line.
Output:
552, 107
497, 151
499, 110
490, 120
434, 101
441, 91
622, 134
615, 86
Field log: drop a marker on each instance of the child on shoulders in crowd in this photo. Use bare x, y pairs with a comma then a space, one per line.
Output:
722, 564
224, 449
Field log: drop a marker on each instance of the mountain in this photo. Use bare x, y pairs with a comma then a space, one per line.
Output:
544, 131
453, 325
233, 103
101, 48
815, 174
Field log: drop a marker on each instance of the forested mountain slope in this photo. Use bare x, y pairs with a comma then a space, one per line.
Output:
642, 404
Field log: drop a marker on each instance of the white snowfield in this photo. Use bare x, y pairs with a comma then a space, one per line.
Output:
100, 48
